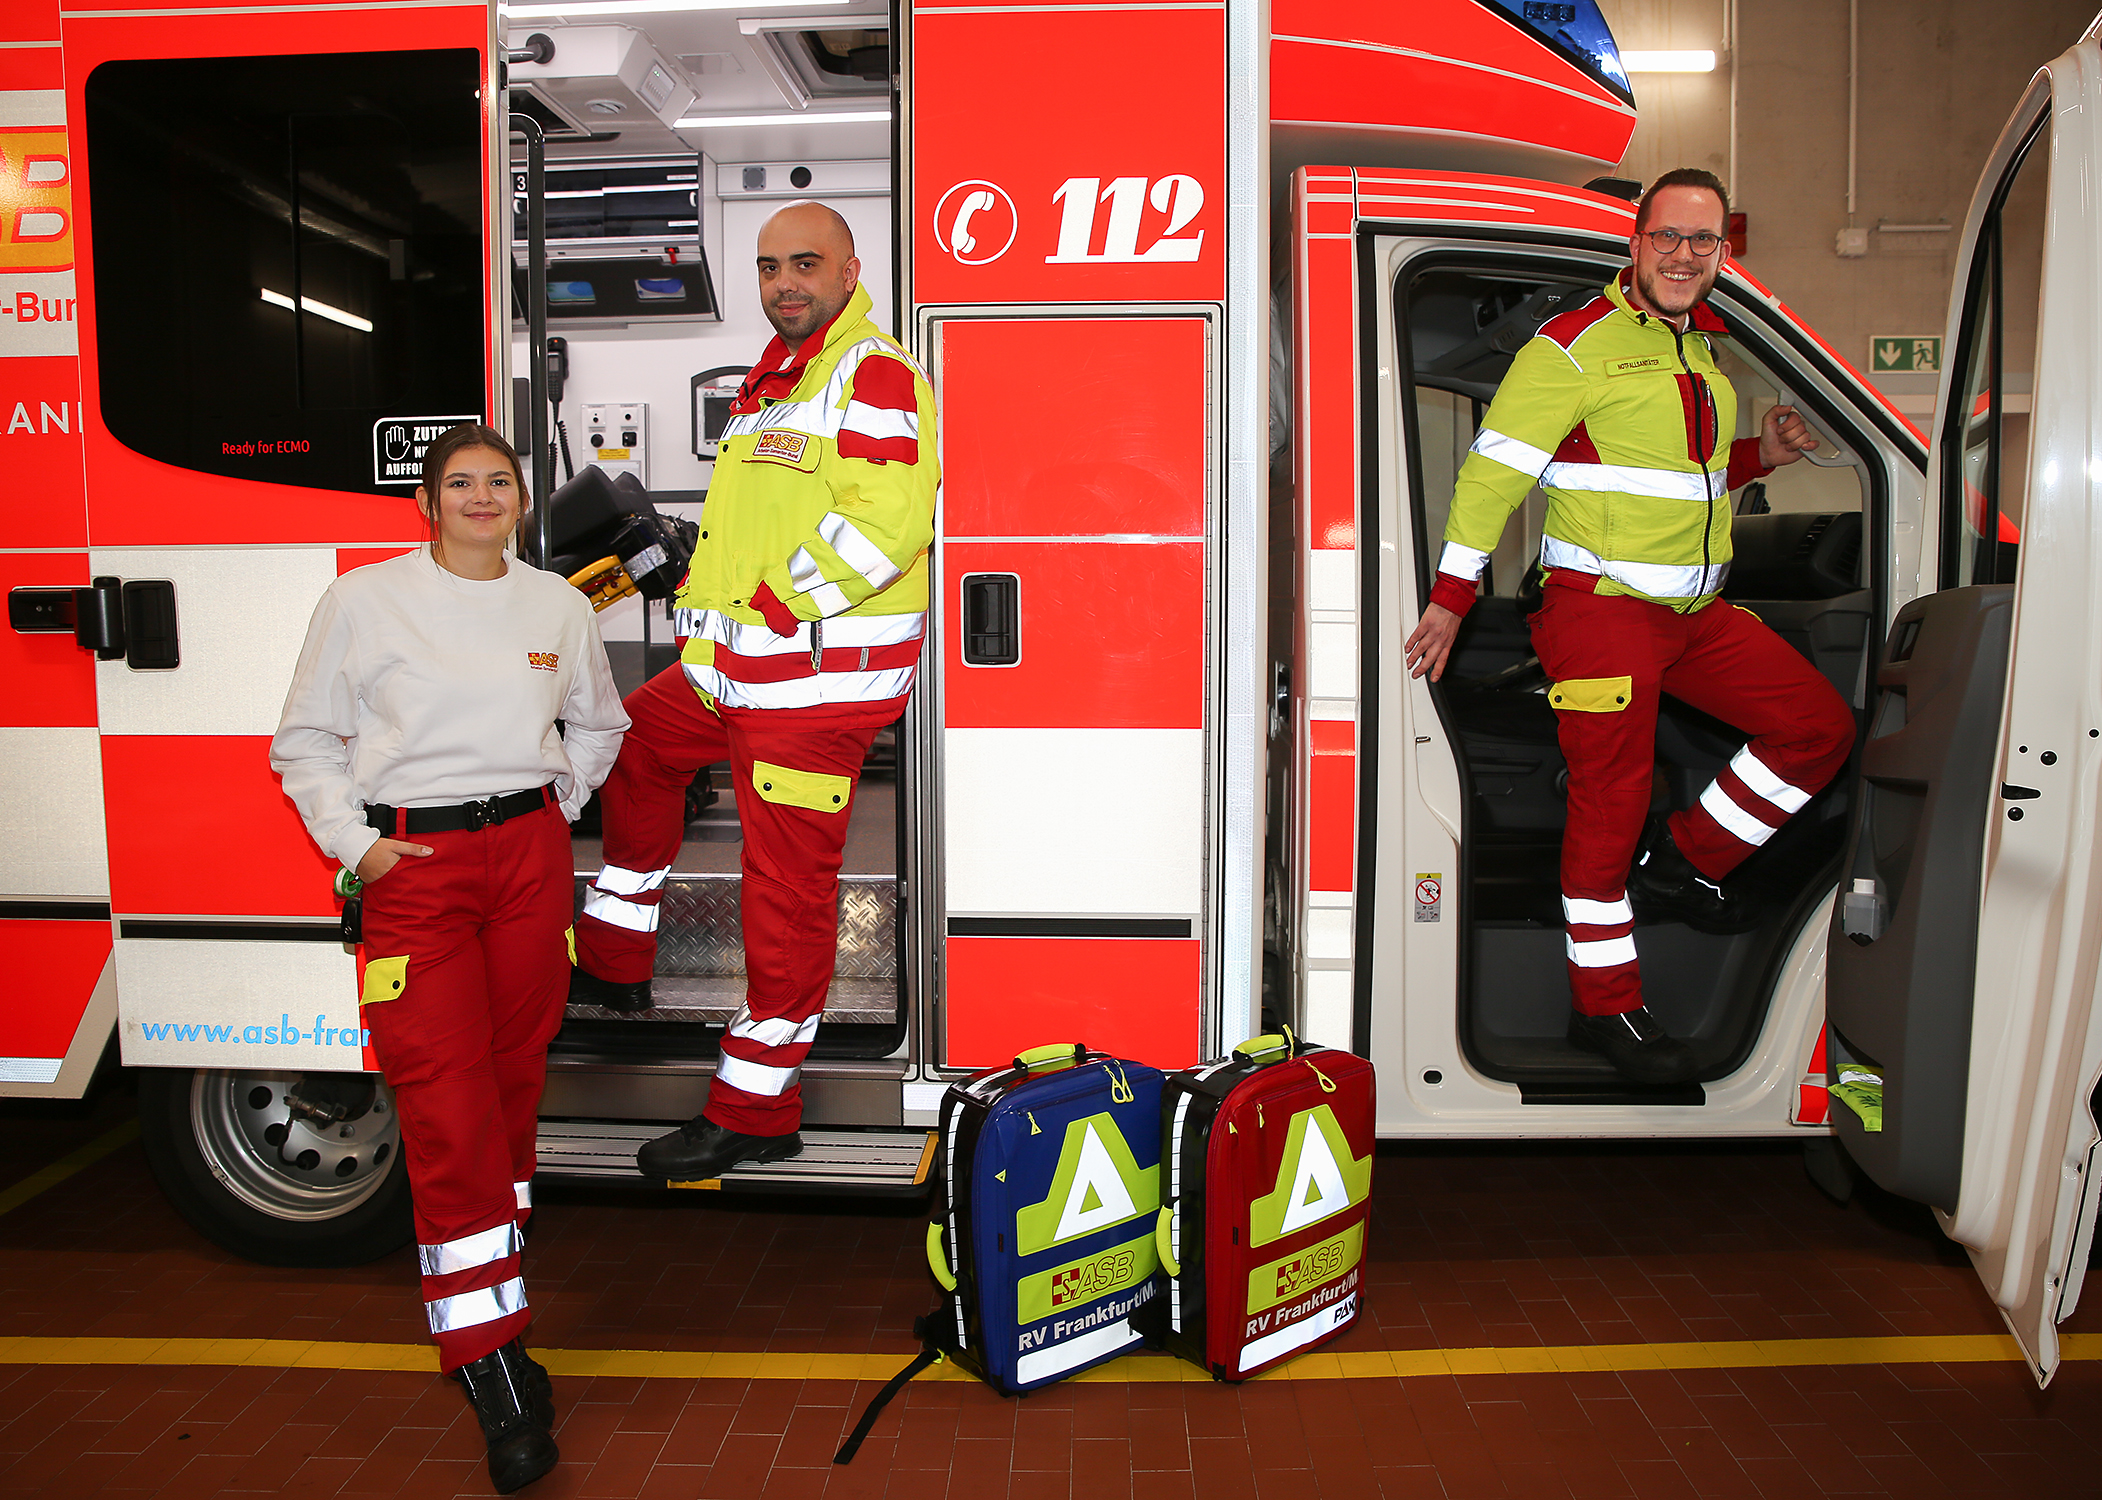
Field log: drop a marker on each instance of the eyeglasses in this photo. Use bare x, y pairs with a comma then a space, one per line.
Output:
1667, 240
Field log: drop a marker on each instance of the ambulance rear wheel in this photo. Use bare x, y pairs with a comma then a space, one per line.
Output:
284, 1169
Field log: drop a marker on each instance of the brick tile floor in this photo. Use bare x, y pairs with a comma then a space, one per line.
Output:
1470, 1245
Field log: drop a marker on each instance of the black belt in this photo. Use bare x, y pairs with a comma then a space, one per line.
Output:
461, 816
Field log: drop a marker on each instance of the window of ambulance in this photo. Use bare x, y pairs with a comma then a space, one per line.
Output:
1988, 419
321, 218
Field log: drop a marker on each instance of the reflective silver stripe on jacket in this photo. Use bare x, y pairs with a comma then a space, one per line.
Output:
1658, 580
1620, 479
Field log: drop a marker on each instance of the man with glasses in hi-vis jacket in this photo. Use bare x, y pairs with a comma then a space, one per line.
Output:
1618, 412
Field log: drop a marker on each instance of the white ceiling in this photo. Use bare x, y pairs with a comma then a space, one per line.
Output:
726, 70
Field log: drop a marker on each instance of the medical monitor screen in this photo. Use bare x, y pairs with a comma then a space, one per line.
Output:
1576, 29
288, 259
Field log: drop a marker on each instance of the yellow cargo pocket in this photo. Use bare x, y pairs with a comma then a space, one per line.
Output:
1592, 695
385, 978
811, 789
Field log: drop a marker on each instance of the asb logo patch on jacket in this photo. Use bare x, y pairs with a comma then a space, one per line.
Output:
822, 509
1044, 1223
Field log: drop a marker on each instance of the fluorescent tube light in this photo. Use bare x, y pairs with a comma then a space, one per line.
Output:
1668, 62
649, 7
830, 117
320, 310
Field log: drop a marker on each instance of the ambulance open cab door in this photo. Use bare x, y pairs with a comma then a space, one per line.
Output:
1938, 900
283, 227
1964, 963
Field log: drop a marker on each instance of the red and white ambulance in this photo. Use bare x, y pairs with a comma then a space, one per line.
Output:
1209, 344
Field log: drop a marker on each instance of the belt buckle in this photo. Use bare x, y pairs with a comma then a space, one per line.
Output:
482, 814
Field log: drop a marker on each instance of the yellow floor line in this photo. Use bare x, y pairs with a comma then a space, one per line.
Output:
671, 1364
66, 1166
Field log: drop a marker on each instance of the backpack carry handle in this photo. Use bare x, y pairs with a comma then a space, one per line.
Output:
937, 1262
1058, 1054
1164, 1241
1280, 1040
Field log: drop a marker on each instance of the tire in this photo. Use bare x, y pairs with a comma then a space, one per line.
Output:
217, 1142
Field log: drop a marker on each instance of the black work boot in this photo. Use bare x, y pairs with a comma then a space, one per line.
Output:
1635, 1044
586, 988
499, 1386
701, 1149
1665, 887
539, 1387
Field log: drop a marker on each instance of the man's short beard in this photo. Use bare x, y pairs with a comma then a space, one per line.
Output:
1654, 283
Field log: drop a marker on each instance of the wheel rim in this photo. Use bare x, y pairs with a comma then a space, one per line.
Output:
284, 1166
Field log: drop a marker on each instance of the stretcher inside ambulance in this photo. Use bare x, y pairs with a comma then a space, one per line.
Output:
1163, 745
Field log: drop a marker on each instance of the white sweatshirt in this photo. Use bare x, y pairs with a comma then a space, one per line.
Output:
419, 688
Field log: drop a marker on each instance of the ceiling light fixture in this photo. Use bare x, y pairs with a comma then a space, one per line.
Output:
648, 7
1668, 62
320, 310
829, 117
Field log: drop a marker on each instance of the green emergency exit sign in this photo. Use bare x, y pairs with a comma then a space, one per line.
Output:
1890, 354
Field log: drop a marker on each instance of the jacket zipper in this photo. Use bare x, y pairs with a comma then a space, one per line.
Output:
1704, 437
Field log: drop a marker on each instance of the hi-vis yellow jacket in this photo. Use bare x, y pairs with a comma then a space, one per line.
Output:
823, 492
1618, 416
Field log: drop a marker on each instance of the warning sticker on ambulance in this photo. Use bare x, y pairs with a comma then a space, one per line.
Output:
399, 443
1430, 891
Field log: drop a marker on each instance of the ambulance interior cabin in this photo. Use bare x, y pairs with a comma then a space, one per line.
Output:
670, 138
1808, 546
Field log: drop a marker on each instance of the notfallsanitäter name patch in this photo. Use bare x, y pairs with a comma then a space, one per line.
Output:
544, 661
1642, 365
775, 443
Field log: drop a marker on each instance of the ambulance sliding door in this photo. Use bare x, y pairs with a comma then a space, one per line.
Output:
1963, 966
284, 232
1068, 287
1077, 460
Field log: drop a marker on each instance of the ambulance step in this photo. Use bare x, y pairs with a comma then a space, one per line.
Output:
698, 935
873, 1163
713, 999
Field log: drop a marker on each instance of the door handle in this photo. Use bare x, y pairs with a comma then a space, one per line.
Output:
111, 617
992, 620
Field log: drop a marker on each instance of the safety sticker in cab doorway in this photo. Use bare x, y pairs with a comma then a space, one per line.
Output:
1430, 892
399, 443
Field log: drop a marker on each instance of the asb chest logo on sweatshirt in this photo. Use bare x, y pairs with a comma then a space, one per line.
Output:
544, 661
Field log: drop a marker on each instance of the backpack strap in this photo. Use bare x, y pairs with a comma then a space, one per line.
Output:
929, 1353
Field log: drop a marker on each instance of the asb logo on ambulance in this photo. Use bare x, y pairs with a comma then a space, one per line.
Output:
36, 201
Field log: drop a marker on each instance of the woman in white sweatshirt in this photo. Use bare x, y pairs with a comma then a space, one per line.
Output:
420, 743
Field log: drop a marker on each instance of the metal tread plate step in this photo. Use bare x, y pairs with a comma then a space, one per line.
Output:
871, 1163
713, 999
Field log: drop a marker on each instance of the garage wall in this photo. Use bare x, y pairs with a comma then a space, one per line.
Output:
1937, 81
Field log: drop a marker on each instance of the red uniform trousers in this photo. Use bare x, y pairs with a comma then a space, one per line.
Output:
795, 831
1720, 660
464, 1046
